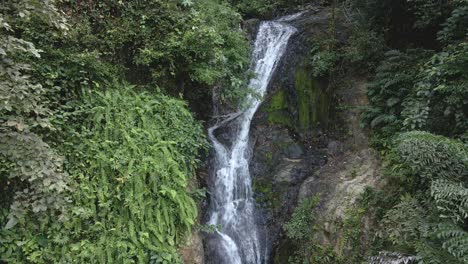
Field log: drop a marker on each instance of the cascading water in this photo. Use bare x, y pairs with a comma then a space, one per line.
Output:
232, 206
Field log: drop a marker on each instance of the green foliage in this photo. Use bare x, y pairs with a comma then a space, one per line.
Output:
300, 226
440, 94
255, 8
324, 58
185, 47
406, 223
392, 83
431, 172
455, 240
422, 89
27, 159
420, 84
93, 172
90, 171
452, 203
351, 244
427, 12
265, 8
301, 229
430, 157
364, 48
32, 169
456, 26
451, 199
131, 162
330, 57
404, 23
141, 153
414, 91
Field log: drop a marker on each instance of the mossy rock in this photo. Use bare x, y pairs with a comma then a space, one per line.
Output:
309, 109
268, 194
313, 102
277, 109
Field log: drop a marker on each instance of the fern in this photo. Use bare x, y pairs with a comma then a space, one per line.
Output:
431, 252
451, 199
393, 82
432, 157
439, 99
405, 223
455, 240
132, 163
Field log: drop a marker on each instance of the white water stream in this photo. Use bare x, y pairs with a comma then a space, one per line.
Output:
232, 205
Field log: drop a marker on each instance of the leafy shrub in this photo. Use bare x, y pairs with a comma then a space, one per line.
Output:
455, 240
301, 229
438, 103
405, 223
364, 47
265, 8
427, 12
431, 157
393, 82
425, 214
186, 47
451, 199
429, 218
456, 26
131, 162
324, 58
300, 226
30, 167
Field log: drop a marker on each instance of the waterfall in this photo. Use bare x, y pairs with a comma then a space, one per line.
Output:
232, 206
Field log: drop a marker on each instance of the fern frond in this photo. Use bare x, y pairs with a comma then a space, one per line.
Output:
455, 240
451, 199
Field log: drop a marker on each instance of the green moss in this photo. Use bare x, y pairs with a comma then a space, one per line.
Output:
269, 194
312, 106
278, 101
313, 101
280, 118
269, 158
278, 109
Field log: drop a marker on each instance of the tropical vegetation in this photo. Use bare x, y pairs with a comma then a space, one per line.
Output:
415, 55
101, 124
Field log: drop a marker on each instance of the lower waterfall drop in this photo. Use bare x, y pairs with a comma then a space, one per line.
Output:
232, 206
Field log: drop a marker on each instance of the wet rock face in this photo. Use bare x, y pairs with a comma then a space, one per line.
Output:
282, 157
280, 164
288, 136
304, 145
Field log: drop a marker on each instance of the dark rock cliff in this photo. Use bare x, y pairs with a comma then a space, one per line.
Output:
307, 141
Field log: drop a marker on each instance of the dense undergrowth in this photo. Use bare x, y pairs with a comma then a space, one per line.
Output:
415, 55
98, 157
98, 147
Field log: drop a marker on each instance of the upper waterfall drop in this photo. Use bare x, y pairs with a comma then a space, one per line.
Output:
232, 205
